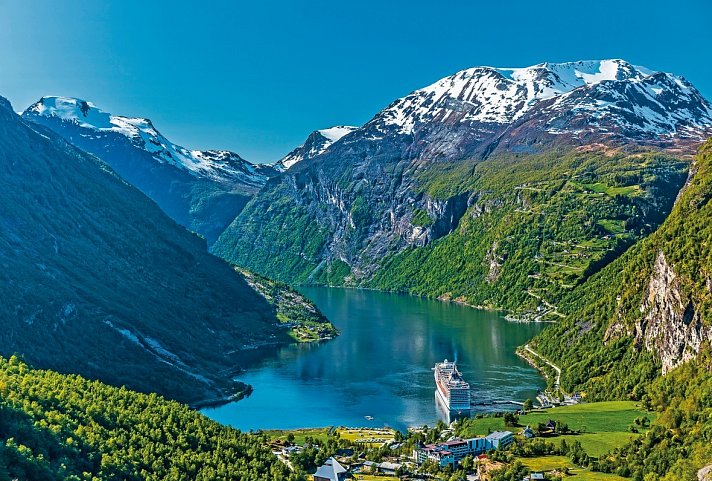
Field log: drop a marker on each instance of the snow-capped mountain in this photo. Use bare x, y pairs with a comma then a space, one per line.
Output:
411, 174
316, 144
220, 165
597, 96
202, 190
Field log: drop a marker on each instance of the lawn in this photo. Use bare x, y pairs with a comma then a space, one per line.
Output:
603, 425
550, 463
299, 434
359, 435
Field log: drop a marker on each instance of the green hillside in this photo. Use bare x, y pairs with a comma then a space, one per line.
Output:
647, 310
96, 280
540, 226
64, 427
524, 228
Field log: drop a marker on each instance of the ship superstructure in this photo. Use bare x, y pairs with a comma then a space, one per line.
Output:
452, 389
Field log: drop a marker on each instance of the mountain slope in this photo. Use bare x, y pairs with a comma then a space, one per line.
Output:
642, 329
654, 299
475, 187
202, 190
316, 144
96, 280
64, 427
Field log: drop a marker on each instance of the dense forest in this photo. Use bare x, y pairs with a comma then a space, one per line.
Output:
607, 348
64, 427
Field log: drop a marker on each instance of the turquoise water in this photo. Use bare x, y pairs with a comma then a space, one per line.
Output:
381, 364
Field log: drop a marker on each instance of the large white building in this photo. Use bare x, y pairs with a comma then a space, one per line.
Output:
451, 452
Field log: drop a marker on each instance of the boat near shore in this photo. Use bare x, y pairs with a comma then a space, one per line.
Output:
452, 390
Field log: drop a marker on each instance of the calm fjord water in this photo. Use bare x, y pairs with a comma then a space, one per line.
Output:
381, 364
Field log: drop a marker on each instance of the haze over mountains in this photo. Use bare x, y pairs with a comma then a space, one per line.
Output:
202, 190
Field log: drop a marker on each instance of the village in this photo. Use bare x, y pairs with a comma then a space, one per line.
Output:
383, 454
507, 445
565, 442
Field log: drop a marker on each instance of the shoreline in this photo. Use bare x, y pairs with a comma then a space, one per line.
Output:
507, 314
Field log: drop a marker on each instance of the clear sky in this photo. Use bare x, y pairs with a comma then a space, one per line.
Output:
256, 77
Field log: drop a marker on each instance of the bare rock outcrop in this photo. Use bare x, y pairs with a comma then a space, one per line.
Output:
671, 325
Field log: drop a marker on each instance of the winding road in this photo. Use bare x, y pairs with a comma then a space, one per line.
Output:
556, 368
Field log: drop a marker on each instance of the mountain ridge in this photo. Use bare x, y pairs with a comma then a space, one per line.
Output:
201, 190
97, 280
422, 173
502, 96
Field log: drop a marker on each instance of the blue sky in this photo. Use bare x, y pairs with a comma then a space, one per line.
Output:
257, 77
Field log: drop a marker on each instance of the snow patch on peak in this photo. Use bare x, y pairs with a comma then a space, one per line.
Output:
500, 95
72, 109
316, 144
335, 133
219, 165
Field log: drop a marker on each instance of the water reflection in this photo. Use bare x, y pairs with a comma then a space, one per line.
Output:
381, 364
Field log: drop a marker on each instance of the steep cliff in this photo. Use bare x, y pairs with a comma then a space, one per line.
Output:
672, 324
563, 166
649, 311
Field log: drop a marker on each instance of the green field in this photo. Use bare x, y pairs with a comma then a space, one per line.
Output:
603, 425
601, 188
580, 474
359, 435
351, 434
299, 434
550, 463
547, 463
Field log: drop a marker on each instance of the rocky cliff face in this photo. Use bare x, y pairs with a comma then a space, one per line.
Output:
671, 325
664, 304
405, 179
371, 216
705, 474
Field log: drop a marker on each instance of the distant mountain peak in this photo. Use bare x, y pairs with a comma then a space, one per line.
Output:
219, 165
316, 144
201, 189
489, 95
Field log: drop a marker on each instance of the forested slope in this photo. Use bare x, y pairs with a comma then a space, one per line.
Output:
647, 314
66, 428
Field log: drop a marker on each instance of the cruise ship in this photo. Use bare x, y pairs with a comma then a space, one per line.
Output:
452, 390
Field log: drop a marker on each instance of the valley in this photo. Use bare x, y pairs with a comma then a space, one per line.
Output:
97, 280
545, 226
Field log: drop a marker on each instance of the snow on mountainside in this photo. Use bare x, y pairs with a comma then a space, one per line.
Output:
316, 144
219, 165
608, 91
429, 165
201, 190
